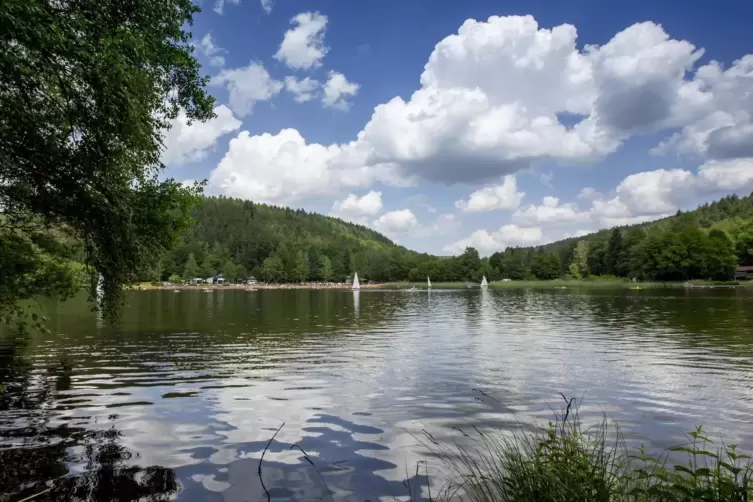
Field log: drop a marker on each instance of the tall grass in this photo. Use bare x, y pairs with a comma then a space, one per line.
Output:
566, 462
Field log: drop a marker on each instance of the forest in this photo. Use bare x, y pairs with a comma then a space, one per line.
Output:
242, 239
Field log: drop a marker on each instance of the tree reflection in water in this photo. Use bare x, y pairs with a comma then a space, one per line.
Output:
38, 458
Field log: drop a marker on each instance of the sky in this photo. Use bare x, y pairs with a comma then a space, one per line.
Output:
445, 124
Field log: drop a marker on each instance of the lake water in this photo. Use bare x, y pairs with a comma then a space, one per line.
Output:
181, 399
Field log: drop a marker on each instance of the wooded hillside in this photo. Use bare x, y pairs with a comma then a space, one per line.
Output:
706, 243
240, 239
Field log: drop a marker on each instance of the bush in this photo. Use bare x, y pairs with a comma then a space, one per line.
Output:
563, 462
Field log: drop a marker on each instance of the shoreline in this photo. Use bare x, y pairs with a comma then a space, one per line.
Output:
554, 284
247, 287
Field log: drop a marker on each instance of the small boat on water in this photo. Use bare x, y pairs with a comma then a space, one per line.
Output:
176, 291
356, 285
484, 284
428, 282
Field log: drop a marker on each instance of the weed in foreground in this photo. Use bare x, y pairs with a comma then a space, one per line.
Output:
567, 462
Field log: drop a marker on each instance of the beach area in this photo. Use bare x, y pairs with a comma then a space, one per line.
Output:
147, 286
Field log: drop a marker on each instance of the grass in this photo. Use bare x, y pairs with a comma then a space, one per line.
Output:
565, 462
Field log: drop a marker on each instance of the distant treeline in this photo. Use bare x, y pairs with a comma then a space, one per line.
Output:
240, 239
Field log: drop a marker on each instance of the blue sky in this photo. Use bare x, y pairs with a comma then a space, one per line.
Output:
493, 124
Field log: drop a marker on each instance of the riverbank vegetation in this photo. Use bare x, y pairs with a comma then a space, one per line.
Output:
239, 239
566, 461
84, 105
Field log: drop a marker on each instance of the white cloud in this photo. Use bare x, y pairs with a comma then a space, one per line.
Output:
207, 48
640, 80
656, 192
302, 90
588, 194
719, 121
303, 46
492, 95
507, 236
281, 169
188, 143
546, 179
267, 5
504, 196
337, 89
219, 5
396, 222
734, 175
246, 86
549, 212
357, 209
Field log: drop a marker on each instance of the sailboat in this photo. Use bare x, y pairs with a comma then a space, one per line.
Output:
484, 284
428, 283
356, 284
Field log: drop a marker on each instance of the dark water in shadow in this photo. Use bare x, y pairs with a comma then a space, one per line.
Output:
181, 399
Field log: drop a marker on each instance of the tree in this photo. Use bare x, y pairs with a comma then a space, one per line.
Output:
191, 269
87, 91
613, 256
272, 269
722, 261
175, 279
579, 265
545, 266
301, 272
326, 268
315, 271
230, 271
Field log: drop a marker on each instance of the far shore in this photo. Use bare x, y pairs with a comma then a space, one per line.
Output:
146, 286
555, 284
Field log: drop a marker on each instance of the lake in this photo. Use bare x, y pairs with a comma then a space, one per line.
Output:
182, 398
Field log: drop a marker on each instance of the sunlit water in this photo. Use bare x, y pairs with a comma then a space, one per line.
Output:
182, 398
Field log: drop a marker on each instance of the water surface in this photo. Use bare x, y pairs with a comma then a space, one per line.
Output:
181, 399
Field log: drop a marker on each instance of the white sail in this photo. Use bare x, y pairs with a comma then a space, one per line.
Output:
484, 283
428, 283
356, 284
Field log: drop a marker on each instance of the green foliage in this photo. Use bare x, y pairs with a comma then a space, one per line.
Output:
565, 462
304, 247
301, 271
579, 264
272, 269
191, 270
175, 279
545, 266
87, 90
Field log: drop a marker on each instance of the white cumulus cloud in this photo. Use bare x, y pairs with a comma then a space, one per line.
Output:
358, 209
246, 86
337, 89
396, 222
302, 89
734, 175
281, 169
504, 196
489, 242
303, 46
188, 143
549, 212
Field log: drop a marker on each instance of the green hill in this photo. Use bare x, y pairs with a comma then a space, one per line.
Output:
706, 243
240, 238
